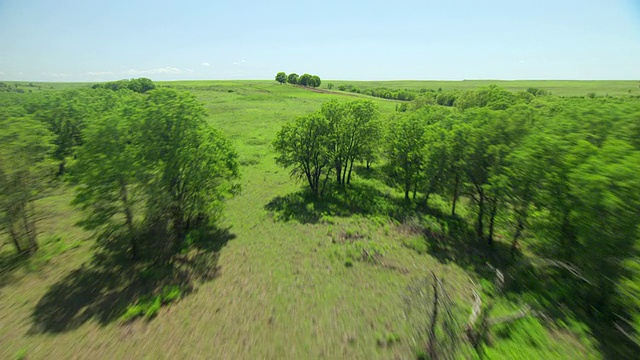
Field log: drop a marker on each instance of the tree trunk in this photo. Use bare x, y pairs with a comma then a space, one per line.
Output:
15, 238
494, 210
480, 224
516, 236
128, 218
455, 195
344, 173
407, 189
324, 183
339, 174
30, 229
350, 169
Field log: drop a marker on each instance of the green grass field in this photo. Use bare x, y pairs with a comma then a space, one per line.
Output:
556, 87
283, 289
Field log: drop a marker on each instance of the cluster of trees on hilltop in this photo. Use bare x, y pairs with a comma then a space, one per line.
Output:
139, 163
304, 79
139, 85
560, 174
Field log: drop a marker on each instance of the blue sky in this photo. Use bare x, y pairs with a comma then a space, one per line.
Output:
97, 40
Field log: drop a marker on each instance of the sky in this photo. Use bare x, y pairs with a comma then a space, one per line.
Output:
100, 40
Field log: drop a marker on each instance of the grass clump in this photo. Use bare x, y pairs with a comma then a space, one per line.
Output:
148, 306
416, 243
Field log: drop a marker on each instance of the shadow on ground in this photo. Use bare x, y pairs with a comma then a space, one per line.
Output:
10, 263
357, 198
554, 288
103, 288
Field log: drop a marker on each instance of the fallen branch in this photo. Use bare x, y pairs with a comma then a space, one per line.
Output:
525, 311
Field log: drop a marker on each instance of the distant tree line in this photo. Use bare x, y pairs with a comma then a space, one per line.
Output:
431, 96
4, 87
139, 85
304, 79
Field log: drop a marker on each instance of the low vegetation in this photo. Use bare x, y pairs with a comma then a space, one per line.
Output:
468, 223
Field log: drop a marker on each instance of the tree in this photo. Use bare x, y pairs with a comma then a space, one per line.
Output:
354, 132
25, 170
330, 86
305, 80
158, 156
302, 146
141, 85
405, 150
67, 113
187, 168
489, 138
292, 78
105, 171
281, 77
315, 81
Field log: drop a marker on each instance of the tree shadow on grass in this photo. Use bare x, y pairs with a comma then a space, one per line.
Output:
451, 239
555, 289
10, 263
357, 198
107, 285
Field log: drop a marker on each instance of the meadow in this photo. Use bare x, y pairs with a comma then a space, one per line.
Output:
289, 280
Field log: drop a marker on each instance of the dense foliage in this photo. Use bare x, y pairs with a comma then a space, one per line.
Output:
149, 163
329, 141
557, 175
139, 85
25, 171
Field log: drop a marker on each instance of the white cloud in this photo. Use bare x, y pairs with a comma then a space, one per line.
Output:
99, 73
243, 61
60, 75
1, 72
165, 70
190, 70
235, 63
205, 64
521, 61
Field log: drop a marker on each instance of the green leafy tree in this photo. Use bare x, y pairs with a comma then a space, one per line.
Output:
606, 214
141, 85
67, 113
305, 80
158, 156
281, 77
354, 133
292, 78
187, 167
302, 146
106, 170
315, 81
405, 150
25, 172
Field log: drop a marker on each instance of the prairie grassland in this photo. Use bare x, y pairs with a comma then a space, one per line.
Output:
291, 282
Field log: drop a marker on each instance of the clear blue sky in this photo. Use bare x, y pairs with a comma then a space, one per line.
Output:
96, 40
